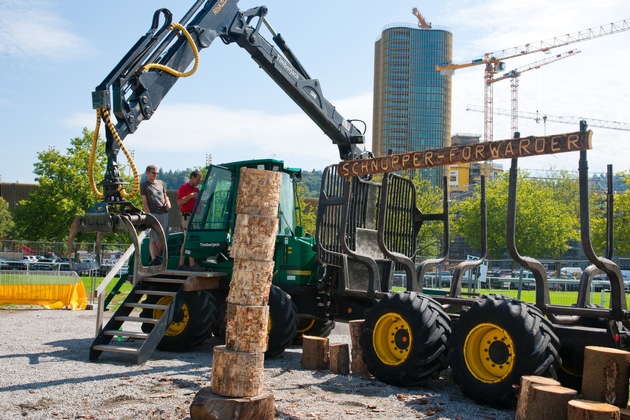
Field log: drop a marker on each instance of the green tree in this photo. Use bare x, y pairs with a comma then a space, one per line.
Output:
429, 199
64, 191
544, 225
621, 221
6, 221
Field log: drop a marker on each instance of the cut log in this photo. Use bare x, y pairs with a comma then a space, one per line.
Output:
237, 373
339, 358
606, 375
254, 237
250, 283
526, 382
246, 328
547, 402
314, 352
358, 365
258, 192
591, 410
209, 406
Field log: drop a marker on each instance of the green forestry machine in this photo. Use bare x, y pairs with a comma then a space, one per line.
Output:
366, 231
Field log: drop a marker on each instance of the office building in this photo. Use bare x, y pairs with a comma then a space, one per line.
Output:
412, 101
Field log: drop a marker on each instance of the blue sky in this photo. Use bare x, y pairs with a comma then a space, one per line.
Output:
54, 52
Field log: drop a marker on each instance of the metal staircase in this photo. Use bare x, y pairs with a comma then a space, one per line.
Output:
123, 333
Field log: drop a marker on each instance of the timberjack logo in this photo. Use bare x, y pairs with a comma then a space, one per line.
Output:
217, 7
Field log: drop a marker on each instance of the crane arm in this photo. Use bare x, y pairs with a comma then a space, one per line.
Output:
493, 58
538, 117
134, 89
535, 65
422, 23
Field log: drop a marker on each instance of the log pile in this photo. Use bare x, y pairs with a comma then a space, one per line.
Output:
237, 385
604, 390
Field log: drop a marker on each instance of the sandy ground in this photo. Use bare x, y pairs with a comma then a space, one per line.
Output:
46, 374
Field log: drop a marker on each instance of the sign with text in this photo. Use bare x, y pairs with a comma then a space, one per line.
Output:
500, 149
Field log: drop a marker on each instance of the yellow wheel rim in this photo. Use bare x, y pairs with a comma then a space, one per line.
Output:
306, 326
178, 325
392, 339
489, 353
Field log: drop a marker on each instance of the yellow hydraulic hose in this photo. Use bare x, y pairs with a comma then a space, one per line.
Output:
104, 114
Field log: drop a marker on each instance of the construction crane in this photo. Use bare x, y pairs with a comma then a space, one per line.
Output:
538, 117
493, 61
514, 75
422, 23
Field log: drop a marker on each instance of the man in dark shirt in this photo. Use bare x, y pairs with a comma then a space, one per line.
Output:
156, 202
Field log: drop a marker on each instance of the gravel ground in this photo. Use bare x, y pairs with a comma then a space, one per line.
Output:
45, 374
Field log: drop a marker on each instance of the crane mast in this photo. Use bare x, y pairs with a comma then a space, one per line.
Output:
514, 75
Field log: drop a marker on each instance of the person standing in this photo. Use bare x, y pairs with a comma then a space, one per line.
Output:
156, 202
187, 195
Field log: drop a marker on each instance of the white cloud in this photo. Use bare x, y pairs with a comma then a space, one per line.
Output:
34, 30
180, 135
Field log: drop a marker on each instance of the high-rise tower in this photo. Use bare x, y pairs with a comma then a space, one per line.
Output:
412, 101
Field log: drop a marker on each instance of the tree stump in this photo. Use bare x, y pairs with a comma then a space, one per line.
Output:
359, 367
606, 375
314, 352
526, 382
209, 406
339, 358
591, 410
237, 373
547, 402
246, 328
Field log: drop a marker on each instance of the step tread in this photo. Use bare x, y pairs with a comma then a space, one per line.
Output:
136, 319
116, 349
123, 333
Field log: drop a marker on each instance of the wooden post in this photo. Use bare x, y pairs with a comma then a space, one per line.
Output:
606, 375
526, 382
339, 358
359, 367
314, 352
591, 410
238, 366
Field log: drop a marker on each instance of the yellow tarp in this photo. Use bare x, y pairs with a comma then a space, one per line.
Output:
49, 295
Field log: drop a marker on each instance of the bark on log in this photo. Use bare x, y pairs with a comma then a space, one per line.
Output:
254, 237
547, 402
606, 375
314, 352
624, 414
250, 283
236, 373
591, 410
339, 358
526, 382
258, 192
359, 367
246, 328
209, 406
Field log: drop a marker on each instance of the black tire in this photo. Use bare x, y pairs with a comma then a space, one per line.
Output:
313, 326
191, 325
570, 373
404, 339
283, 322
495, 342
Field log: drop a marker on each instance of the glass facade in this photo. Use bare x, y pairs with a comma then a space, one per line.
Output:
412, 101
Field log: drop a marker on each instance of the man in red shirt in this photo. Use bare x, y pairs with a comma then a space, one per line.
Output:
186, 197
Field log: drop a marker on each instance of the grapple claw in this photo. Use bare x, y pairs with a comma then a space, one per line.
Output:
126, 218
